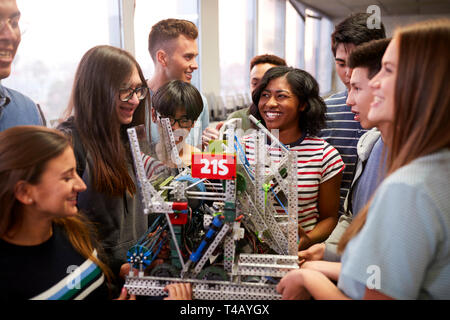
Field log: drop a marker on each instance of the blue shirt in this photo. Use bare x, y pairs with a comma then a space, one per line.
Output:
403, 250
17, 109
343, 133
370, 178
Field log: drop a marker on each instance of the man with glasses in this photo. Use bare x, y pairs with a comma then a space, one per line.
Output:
173, 48
15, 108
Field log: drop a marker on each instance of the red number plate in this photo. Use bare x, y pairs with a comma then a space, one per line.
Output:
213, 166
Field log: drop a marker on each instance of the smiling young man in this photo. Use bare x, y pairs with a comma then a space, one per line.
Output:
365, 63
173, 47
15, 108
343, 131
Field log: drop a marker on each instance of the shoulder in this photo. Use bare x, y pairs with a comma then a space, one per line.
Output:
337, 98
205, 101
429, 175
430, 169
319, 143
19, 97
239, 113
416, 193
366, 142
67, 127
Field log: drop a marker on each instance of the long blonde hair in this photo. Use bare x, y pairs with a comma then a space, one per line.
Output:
421, 102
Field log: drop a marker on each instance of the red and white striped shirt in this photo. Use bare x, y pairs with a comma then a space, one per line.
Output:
318, 161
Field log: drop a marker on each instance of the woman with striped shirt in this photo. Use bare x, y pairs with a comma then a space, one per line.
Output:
288, 100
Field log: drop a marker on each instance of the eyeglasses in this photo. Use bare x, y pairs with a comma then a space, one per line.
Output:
127, 94
182, 122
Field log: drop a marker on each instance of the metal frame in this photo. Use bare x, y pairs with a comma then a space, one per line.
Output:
257, 216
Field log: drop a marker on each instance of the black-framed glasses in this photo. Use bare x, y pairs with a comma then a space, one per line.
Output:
127, 94
182, 122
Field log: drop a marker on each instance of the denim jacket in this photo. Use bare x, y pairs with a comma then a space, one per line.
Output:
17, 109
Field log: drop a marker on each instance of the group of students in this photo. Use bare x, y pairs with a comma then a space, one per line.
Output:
69, 207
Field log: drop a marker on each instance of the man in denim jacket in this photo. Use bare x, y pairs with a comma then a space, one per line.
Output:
15, 108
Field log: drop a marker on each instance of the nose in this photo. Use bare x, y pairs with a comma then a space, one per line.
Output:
134, 99
7, 31
194, 65
350, 100
272, 102
79, 185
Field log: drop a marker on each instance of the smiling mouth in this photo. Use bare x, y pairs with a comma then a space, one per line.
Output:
272, 115
6, 55
376, 101
126, 110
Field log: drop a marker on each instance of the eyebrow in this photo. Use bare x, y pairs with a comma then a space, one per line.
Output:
68, 171
340, 60
16, 14
129, 85
278, 91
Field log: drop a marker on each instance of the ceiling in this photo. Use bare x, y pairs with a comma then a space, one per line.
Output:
341, 8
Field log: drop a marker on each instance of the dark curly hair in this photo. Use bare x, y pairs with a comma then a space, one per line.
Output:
305, 87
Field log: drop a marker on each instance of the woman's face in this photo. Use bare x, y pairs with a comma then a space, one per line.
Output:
383, 87
125, 110
56, 193
279, 106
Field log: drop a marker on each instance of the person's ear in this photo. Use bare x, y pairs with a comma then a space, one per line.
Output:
22, 192
302, 107
161, 57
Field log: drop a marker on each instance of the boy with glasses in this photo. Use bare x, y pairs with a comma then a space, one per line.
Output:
182, 104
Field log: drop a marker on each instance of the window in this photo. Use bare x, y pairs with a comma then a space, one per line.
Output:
56, 34
271, 27
318, 56
236, 45
148, 13
295, 38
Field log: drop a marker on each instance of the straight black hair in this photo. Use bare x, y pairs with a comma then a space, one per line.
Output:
354, 30
175, 95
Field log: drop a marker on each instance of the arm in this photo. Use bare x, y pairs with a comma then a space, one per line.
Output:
330, 269
328, 209
305, 283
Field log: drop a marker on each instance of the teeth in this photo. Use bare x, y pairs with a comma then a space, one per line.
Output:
5, 54
377, 99
273, 115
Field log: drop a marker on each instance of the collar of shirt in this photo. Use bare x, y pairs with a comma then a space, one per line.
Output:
4, 96
293, 144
